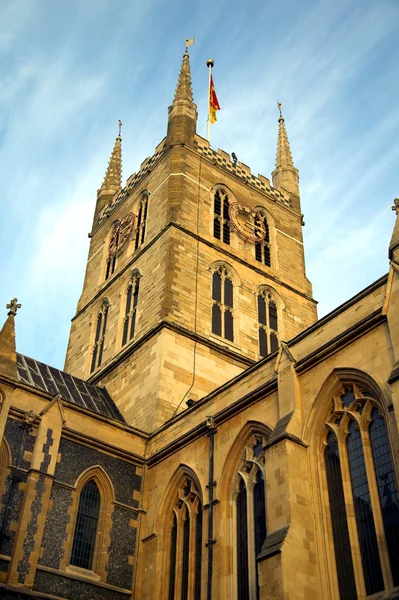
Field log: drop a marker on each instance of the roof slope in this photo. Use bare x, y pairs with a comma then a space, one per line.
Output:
72, 389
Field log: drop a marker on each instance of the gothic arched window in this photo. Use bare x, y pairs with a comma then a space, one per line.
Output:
84, 539
221, 219
185, 551
111, 260
250, 518
360, 474
101, 327
267, 323
222, 304
262, 249
132, 297
141, 221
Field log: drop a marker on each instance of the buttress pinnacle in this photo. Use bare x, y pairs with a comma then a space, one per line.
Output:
184, 89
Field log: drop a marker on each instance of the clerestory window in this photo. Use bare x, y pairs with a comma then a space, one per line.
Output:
250, 517
222, 304
185, 551
363, 494
267, 323
221, 218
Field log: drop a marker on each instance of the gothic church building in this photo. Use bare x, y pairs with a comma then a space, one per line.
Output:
209, 438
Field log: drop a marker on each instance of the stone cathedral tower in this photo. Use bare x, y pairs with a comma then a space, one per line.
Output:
208, 439
150, 324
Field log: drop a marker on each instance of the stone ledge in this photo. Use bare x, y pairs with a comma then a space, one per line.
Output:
273, 543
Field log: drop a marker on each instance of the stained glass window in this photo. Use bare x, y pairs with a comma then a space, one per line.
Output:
86, 526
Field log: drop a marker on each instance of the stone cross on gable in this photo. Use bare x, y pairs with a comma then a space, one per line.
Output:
13, 307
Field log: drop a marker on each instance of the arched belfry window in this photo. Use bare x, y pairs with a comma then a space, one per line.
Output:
112, 258
141, 221
87, 518
101, 327
360, 474
132, 298
268, 325
185, 546
221, 219
262, 249
251, 530
222, 303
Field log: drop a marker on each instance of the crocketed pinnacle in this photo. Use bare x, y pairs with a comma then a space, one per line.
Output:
394, 244
8, 356
283, 157
184, 89
113, 177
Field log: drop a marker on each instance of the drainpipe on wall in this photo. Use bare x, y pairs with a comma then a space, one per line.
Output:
211, 425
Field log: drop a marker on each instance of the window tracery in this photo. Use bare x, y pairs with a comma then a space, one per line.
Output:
101, 327
267, 323
221, 218
223, 303
132, 297
185, 551
112, 256
141, 221
360, 474
251, 527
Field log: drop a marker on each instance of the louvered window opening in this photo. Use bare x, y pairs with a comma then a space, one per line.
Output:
111, 260
221, 218
186, 535
267, 324
129, 323
84, 540
99, 340
345, 443
141, 223
222, 304
262, 249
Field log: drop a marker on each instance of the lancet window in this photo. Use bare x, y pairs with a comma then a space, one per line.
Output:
262, 249
221, 219
267, 323
132, 297
360, 474
85, 534
141, 221
111, 260
101, 327
185, 551
250, 518
222, 304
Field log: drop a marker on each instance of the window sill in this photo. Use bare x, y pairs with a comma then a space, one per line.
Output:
79, 572
222, 340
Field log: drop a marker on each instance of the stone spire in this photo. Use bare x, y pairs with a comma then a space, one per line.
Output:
285, 175
182, 113
8, 354
113, 177
184, 90
394, 243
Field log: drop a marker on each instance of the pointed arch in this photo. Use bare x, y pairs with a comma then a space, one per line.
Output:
141, 211
179, 527
243, 498
269, 309
222, 197
346, 431
129, 306
98, 333
5, 462
102, 493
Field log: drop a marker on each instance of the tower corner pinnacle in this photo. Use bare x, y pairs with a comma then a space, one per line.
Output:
285, 174
8, 354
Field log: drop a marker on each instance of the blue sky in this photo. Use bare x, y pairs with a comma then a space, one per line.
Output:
69, 69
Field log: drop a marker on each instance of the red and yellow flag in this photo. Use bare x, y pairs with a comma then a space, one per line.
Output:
213, 102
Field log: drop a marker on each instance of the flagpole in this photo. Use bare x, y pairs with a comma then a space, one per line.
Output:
209, 63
